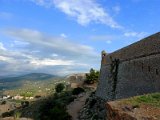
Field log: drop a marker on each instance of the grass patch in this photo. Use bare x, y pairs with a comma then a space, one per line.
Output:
150, 99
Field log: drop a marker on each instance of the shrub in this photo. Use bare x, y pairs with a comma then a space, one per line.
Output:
59, 87
77, 91
92, 77
25, 104
55, 109
7, 114
92, 103
17, 115
59, 113
3, 102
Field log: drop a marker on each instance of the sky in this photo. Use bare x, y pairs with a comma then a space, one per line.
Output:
67, 36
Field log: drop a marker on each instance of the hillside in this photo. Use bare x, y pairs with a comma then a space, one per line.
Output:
7, 83
31, 76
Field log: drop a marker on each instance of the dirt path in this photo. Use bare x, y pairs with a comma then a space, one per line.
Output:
74, 107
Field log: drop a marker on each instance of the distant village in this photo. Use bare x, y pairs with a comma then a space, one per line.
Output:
75, 80
16, 97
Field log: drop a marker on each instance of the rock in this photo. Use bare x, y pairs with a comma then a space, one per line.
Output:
127, 108
94, 109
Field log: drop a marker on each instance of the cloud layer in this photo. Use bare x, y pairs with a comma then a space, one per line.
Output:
45, 53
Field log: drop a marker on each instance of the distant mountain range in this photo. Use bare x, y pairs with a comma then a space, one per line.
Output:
31, 76
13, 82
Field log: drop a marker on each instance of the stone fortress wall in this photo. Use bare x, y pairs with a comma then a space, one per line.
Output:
130, 71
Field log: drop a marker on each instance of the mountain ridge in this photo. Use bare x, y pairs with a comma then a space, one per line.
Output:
30, 76
14, 82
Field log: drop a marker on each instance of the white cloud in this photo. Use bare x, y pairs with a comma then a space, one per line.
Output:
89, 11
54, 43
108, 41
17, 62
50, 62
3, 58
130, 34
135, 34
83, 11
2, 46
54, 55
16, 42
63, 35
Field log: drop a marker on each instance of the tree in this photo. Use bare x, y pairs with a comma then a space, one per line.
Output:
59, 87
77, 91
92, 77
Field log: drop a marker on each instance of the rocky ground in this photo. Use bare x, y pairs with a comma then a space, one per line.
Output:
145, 107
94, 109
119, 110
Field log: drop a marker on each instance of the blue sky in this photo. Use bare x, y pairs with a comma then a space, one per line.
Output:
67, 36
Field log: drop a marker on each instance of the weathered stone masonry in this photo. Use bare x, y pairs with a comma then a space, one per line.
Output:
130, 71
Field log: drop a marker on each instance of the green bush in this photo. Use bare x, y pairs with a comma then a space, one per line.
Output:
54, 111
59, 87
59, 113
55, 108
17, 115
77, 91
92, 77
